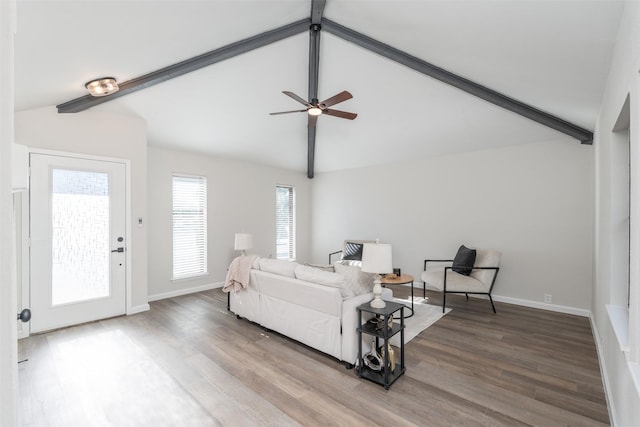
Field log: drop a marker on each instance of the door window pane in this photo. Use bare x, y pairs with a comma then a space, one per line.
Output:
80, 236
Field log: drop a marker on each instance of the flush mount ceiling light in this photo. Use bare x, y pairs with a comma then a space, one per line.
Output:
102, 86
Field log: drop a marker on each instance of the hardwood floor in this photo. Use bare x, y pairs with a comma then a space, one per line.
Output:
189, 362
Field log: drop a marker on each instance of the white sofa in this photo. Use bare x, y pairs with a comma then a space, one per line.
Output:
321, 315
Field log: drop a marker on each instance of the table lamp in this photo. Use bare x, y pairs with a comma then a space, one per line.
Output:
243, 242
376, 258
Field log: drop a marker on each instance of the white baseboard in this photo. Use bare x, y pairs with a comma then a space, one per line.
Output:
529, 303
138, 309
550, 307
186, 291
603, 373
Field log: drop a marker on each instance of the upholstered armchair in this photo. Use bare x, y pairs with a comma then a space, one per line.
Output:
472, 271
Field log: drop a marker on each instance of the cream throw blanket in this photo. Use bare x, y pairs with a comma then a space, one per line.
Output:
238, 273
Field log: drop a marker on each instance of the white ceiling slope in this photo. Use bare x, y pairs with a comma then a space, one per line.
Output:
553, 55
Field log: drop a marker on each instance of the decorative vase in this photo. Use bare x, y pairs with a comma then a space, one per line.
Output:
392, 356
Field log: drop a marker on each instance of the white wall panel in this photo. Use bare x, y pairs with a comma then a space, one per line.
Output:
98, 133
241, 198
619, 368
532, 202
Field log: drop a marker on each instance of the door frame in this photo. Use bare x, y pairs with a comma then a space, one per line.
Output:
23, 260
26, 282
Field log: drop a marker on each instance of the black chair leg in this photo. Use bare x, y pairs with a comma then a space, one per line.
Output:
492, 306
444, 300
467, 295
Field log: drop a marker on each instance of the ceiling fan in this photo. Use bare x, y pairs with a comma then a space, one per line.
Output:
315, 108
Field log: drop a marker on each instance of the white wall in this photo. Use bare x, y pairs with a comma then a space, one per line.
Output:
617, 365
100, 134
241, 198
532, 202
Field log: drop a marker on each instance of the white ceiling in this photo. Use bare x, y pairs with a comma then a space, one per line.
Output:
553, 55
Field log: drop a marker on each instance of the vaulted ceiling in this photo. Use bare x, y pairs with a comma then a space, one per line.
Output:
551, 55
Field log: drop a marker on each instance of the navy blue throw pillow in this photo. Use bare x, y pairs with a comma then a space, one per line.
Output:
463, 262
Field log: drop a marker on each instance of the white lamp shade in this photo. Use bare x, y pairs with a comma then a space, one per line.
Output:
243, 241
376, 258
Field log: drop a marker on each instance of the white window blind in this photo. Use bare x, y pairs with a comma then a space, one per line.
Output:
285, 222
189, 226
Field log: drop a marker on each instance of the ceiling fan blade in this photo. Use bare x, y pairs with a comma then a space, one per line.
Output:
296, 97
341, 114
312, 121
287, 112
336, 99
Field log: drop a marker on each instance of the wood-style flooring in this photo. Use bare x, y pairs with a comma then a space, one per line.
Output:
189, 362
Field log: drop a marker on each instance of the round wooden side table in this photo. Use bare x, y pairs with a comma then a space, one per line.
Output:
399, 280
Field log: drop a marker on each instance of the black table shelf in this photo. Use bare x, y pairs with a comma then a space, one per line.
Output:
385, 376
370, 329
378, 376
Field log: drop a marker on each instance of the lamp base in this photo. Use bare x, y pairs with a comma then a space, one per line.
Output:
377, 301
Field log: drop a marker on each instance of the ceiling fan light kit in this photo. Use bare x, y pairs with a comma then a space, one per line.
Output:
102, 87
314, 111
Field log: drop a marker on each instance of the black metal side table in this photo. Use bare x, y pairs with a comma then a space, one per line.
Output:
385, 376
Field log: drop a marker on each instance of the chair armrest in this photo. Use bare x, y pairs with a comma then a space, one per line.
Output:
472, 268
333, 253
435, 260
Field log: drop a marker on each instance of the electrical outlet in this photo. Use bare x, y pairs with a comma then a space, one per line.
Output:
547, 298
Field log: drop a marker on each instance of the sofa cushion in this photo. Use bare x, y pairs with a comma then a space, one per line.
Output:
278, 266
325, 267
323, 299
256, 263
355, 279
321, 277
464, 260
352, 262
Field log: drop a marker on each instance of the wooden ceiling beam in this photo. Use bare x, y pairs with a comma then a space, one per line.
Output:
583, 135
188, 65
317, 9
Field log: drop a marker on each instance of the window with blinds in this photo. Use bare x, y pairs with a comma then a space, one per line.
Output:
189, 226
285, 222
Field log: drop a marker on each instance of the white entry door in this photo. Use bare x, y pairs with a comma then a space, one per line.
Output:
77, 221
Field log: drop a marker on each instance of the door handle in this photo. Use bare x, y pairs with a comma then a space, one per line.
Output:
118, 250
